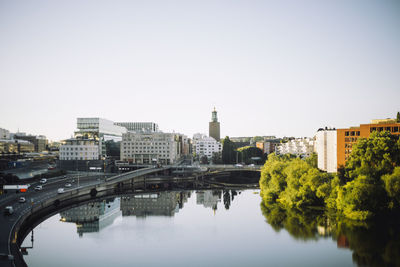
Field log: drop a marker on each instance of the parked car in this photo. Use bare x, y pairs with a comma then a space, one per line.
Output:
8, 210
60, 190
38, 187
68, 185
238, 165
43, 181
22, 200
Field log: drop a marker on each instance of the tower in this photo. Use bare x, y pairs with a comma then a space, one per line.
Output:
213, 130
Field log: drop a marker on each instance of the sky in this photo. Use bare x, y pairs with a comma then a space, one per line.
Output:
283, 68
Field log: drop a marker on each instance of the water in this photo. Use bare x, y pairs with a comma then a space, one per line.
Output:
190, 228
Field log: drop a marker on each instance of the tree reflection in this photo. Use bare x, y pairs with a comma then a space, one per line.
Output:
374, 243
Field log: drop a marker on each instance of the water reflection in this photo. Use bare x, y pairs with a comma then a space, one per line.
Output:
373, 243
94, 216
211, 198
154, 204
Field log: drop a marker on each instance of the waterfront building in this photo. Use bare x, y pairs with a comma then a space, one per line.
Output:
205, 146
4, 134
99, 129
39, 142
139, 127
214, 127
209, 199
302, 147
326, 148
347, 137
145, 148
80, 149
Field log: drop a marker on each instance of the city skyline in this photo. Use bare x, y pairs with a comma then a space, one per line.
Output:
283, 69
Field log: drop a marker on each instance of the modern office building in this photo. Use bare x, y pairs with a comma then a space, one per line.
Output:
142, 148
302, 147
39, 142
99, 129
214, 127
205, 146
80, 149
16, 146
326, 148
139, 127
346, 138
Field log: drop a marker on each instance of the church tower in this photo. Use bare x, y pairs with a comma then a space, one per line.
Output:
213, 130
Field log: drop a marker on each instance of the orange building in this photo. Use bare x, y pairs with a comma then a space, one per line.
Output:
347, 137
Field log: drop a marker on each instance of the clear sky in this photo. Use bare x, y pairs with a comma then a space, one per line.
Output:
282, 68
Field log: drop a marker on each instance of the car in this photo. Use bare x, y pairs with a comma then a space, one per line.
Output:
8, 210
65, 176
238, 165
43, 181
252, 165
60, 190
73, 181
22, 200
38, 187
68, 185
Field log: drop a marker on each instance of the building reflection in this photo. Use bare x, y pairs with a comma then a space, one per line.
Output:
209, 198
94, 216
153, 204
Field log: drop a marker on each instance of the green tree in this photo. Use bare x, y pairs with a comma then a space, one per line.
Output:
392, 187
228, 151
247, 152
398, 117
216, 158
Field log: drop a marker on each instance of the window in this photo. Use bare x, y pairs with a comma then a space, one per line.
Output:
396, 129
380, 129
358, 133
352, 133
346, 134
387, 129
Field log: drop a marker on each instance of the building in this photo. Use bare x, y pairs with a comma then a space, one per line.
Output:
302, 147
139, 127
99, 129
145, 148
209, 198
214, 127
205, 146
4, 134
16, 146
268, 146
326, 148
346, 138
80, 149
39, 142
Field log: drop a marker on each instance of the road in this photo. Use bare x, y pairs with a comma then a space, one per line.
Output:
33, 197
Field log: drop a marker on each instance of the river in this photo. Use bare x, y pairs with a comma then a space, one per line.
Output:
203, 228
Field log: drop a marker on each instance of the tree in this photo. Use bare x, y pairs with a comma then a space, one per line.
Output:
248, 152
398, 117
228, 151
216, 158
203, 159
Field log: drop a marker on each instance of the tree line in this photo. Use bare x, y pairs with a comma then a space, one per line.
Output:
367, 185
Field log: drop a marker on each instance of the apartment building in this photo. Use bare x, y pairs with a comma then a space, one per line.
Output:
346, 138
302, 147
326, 148
205, 146
79, 149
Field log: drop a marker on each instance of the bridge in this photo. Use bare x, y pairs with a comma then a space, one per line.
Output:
27, 216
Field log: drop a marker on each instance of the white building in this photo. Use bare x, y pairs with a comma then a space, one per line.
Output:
302, 147
139, 127
99, 129
144, 148
205, 146
79, 149
326, 148
4, 134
